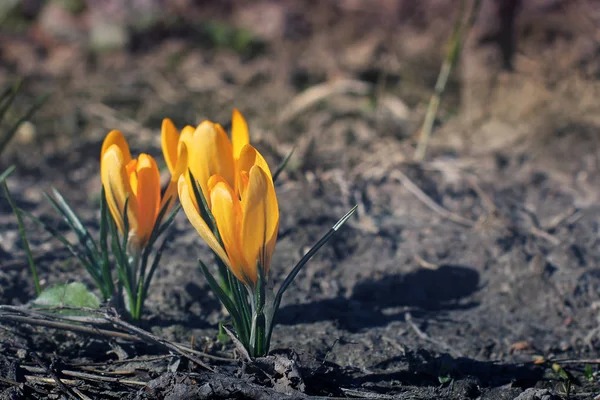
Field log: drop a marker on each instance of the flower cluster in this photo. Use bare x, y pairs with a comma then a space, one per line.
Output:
227, 192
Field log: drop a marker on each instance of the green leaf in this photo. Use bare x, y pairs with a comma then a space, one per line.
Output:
283, 164
5, 174
290, 278
32, 266
588, 373
286, 283
229, 305
74, 294
13, 129
222, 336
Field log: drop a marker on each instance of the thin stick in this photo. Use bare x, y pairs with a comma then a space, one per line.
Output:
428, 201
118, 322
69, 327
88, 376
41, 319
426, 337
55, 376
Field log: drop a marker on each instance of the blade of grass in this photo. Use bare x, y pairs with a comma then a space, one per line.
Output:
220, 293
32, 266
5, 174
283, 164
292, 275
11, 131
72, 249
459, 34
8, 96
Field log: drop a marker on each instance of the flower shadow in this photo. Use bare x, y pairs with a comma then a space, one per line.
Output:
378, 302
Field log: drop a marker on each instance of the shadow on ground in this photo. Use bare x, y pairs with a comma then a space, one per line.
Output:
373, 301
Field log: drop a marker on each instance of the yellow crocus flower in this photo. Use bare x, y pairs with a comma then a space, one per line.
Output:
136, 180
207, 147
247, 224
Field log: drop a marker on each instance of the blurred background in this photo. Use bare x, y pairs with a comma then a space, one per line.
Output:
527, 68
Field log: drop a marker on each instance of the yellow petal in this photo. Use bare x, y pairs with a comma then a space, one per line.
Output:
188, 130
260, 219
169, 140
191, 211
210, 153
147, 195
239, 133
249, 157
227, 211
115, 180
116, 137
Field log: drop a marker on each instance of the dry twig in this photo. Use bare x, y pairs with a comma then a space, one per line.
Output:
428, 201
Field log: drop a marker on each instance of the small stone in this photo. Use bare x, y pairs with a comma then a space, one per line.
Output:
107, 36
536, 394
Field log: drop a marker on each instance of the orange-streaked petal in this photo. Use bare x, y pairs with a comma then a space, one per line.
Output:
227, 212
147, 196
260, 219
169, 137
191, 211
131, 169
239, 133
180, 169
117, 187
116, 137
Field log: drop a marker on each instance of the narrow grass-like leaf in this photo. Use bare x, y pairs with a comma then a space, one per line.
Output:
292, 275
312, 252
165, 225
78, 227
7, 97
32, 266
85, 239
220, 293
12, 130
105, 264
72, 249
283, 164
209, 218
5, 174
205, 212
153, 267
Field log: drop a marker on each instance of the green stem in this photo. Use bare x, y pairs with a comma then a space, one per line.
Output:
32, 266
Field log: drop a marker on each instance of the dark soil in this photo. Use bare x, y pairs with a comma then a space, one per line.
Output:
475, 302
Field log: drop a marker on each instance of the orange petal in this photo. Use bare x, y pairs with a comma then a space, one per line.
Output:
260, 219
180, 169
191, 211
239, 133
116, 137
169, 139
147, 196
227, 211
117, 187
